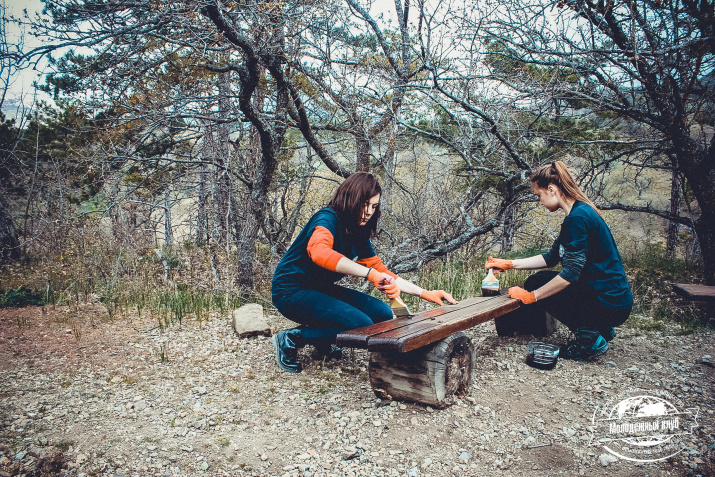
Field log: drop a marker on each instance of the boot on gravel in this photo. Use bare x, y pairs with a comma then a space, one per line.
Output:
587, 344
286, 344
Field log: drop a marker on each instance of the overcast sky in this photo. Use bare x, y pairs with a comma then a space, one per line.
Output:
21, 93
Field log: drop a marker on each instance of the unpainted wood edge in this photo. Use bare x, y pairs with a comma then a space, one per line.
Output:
439, 373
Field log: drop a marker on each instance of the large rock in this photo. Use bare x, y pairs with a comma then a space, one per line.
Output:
248, 321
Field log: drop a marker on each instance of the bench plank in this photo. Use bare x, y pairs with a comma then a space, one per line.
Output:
387, 339
358, 337
416, 336
695, 292
408, 333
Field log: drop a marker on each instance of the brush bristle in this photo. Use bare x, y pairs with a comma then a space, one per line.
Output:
400, 311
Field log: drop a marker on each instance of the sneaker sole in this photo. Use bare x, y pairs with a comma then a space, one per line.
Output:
598, 352
274, 341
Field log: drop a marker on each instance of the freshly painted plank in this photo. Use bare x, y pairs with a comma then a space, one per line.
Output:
357, 338
422, 339
360, 337
385, 340
421, 334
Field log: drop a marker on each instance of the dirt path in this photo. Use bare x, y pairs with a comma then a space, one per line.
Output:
97, 399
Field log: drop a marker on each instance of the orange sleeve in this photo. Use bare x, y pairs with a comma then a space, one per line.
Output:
320, 249
376, 263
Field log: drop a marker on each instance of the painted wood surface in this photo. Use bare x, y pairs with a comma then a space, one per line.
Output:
409, 333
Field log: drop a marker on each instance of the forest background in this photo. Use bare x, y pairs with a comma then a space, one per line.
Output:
187, 142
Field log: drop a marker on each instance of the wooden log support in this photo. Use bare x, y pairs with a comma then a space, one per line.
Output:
425, 357
436, 374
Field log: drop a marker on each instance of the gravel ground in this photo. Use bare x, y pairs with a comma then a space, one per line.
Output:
84, 395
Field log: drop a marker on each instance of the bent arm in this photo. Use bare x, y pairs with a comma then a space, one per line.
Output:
554, 286
531, 263
409, 287
348, 267
376, 263
320, 250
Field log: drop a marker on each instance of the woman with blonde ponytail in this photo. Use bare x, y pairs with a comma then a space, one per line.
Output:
590, 294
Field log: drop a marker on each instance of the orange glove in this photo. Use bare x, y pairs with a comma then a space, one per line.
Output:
498, 264
385, 283
522, 295
389, 287
436, 296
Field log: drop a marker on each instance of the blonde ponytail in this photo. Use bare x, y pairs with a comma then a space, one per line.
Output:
557, 174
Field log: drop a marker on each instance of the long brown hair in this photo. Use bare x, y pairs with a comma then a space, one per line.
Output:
557, 174
349, 202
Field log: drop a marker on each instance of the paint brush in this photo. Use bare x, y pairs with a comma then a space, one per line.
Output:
399, 308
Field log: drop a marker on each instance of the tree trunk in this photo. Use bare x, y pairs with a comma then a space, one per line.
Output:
201, 215
705, 230
270, 145
253, 201
390, 164
222, 185
673, 226
508, 229
701, 180
9, 243
247, 243
168, 232
362, 153
271, 128
248, 166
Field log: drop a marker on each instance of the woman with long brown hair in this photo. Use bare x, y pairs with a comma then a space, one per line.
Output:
590, 294
336, 242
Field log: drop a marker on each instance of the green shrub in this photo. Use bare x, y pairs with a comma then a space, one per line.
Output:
21, 297
651, 274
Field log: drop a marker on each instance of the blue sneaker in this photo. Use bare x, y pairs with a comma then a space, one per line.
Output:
608, 333
587, 344
285, 344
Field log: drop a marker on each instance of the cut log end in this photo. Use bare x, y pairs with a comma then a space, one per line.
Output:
436, 374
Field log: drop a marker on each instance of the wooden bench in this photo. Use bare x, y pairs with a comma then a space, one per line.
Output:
425, 357
695, 292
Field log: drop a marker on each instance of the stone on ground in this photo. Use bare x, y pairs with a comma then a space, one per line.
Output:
248, 321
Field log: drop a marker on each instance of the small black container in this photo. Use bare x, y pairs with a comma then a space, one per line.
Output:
541, 355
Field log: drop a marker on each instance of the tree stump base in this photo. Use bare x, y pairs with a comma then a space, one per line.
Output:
434, 375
